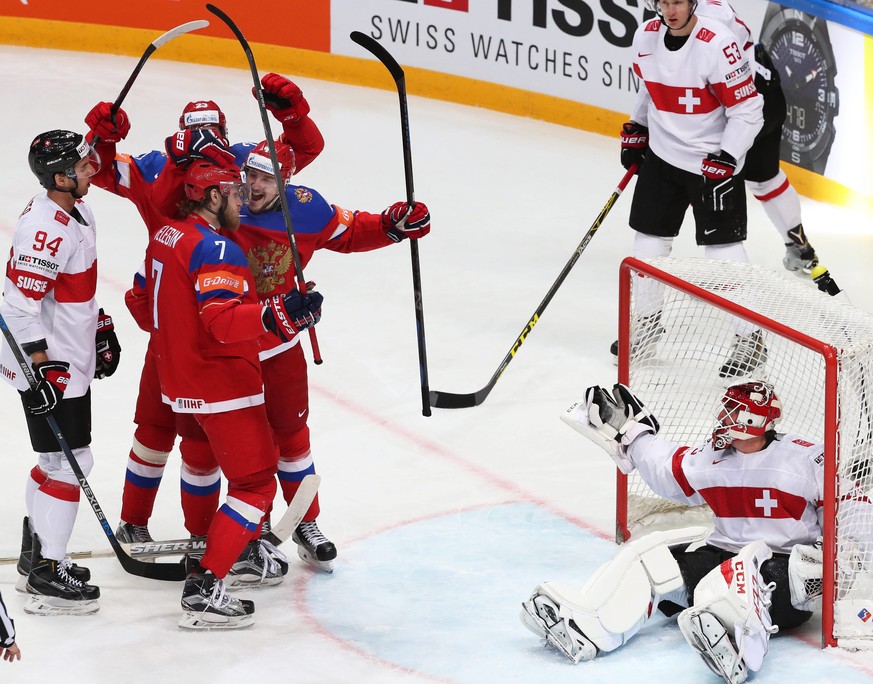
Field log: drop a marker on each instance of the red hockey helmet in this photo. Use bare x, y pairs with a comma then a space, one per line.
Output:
259, 159
749, 409
203, 114
201, 175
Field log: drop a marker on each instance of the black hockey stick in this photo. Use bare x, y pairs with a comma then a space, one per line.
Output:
399, 77
173, 572
154, 45
279, 533
449, 400
268, 133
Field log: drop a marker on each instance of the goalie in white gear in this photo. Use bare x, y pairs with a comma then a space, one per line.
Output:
732, 587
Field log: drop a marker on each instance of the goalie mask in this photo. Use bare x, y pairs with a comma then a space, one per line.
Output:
749, 409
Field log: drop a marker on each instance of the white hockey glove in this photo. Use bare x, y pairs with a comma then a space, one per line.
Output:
622, 416
611, 421
805, 575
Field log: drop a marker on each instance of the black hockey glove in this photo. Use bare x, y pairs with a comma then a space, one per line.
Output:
52, 379
720, 187
107, 346
634, 144
286, 315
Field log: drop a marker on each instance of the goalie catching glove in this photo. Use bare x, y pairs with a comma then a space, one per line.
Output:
622, 416
612, 421
286, 315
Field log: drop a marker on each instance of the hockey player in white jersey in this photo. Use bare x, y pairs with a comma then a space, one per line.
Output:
764, 178
692, 125
732, 587
49, 306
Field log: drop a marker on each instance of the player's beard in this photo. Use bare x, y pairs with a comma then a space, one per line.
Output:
229, 220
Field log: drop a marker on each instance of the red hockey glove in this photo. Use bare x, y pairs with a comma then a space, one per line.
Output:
399, 226
108, 348
286, 315
185, 146
720, 186
634, 144
103, 124
283, 98
52, 379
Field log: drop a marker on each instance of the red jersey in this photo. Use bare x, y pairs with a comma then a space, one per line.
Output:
206, 319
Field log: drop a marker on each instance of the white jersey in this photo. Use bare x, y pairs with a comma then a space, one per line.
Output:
775, 495
698, 99
49, 291
723, 13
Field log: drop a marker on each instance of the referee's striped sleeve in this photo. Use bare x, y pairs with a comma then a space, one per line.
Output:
7, 626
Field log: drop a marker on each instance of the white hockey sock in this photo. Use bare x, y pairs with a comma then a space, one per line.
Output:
650, 293
780, 202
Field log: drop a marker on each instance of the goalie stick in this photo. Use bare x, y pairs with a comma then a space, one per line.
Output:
283, 199
172, 572
399, 77
154, 45
449, 400
279, 533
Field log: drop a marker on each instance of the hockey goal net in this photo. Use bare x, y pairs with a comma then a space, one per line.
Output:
688, 328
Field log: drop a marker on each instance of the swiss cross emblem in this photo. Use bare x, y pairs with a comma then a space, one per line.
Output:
61, 217
766, 502
689, 100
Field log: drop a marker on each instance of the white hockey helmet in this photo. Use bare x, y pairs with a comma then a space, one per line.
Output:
748, 409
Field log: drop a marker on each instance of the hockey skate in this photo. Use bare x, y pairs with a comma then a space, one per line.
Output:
79, 572
800, 257
708, 636
541, 615
260, 565
54, 590
647, 332
127, 533
208, 606
746, 354
313, 547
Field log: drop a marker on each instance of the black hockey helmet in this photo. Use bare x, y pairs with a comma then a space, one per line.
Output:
54, 152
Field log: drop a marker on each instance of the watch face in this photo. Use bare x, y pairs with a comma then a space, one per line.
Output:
807, 82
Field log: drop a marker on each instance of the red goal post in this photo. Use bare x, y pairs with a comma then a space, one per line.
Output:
679, 321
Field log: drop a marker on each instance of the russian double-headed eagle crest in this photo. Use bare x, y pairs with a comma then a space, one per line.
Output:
270, 265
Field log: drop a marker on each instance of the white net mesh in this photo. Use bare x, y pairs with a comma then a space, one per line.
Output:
685, 350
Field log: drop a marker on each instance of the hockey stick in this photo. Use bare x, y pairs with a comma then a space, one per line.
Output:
154, 45
449, 400
283, 199
279, 533
172, 572
397, 74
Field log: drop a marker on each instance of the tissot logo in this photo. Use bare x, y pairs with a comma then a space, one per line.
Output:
614, 19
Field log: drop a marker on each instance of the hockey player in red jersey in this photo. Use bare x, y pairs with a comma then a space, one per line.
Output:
692, 125
203, 134
206, 325
264, 239
766, 492
50, 307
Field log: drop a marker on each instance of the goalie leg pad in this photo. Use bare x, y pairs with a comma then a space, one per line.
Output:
736, 595
708, 636
617, 600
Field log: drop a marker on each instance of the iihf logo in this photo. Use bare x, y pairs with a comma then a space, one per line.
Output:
865, 615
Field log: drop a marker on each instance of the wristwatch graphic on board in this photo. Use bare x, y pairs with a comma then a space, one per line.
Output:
800, 48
